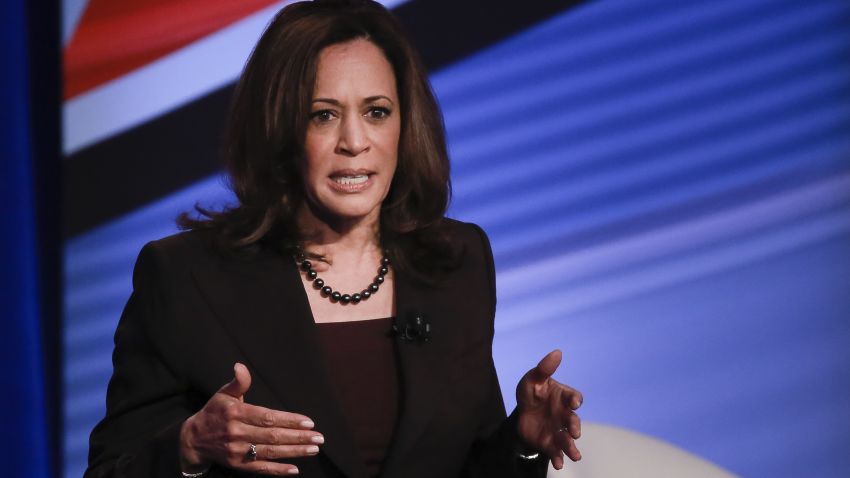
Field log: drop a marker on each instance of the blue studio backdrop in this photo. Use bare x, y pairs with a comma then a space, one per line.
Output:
666, 186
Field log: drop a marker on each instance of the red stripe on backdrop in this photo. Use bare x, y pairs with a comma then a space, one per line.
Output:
116, 37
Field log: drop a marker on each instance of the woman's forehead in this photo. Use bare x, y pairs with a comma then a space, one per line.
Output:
357, 68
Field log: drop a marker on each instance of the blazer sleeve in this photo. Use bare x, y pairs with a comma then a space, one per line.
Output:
496, 452
146, 403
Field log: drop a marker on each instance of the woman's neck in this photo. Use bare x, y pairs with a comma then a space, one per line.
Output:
341, 238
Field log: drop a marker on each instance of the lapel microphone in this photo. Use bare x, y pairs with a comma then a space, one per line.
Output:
412, 328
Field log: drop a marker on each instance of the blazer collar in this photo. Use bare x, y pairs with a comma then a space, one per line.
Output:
264, 308
420, 372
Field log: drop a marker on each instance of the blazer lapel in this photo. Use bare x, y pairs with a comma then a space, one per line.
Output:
263, 306
420, 370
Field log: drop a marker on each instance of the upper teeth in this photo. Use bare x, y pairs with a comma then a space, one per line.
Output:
351, 179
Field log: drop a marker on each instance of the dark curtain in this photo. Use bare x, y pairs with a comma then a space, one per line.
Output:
29, 265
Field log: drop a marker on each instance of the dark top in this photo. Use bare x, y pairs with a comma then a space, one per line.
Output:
364, 374
194, 312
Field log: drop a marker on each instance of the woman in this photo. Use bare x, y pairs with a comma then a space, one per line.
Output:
359, 319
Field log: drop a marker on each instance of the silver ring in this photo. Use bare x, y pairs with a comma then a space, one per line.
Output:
252, 452
563, 430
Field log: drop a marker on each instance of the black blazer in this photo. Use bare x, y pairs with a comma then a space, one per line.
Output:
193, 313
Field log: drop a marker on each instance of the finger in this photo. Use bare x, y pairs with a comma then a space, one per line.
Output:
275, 452
571, 424
575, 398
558, 462
280, 436
570, 397
557, 459
239, 432
578, 399
266, 417
546, 367
568, 445
240, 384
270, 468
552, 449
574, 426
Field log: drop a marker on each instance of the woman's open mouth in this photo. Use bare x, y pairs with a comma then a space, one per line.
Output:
345, 180
351, 181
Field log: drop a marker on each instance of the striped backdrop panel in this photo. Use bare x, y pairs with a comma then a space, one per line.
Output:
666, 186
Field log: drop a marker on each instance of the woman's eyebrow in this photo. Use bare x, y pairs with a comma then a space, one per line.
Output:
376, 98
336, 102
327, 100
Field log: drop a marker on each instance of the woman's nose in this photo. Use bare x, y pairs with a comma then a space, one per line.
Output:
353, 137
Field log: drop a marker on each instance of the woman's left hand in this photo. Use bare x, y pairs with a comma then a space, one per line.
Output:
546, 418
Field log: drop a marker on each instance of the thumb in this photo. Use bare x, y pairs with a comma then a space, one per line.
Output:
240, 384
546, 367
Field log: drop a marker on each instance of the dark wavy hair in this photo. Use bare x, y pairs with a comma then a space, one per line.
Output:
267, 128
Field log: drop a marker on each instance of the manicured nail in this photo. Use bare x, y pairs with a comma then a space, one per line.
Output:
318, 439
307, 424
312, 450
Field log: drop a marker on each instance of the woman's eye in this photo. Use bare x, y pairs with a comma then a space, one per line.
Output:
378, 112
322, 116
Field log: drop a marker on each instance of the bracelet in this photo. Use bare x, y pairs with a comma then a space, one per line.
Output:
194, 475
530, 457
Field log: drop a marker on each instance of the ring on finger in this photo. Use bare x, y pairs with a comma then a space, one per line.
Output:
563, 430
252, 452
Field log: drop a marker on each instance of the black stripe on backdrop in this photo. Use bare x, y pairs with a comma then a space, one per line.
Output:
122, 173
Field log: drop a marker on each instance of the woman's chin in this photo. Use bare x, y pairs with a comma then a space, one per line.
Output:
349, 214
355, 216
350, 207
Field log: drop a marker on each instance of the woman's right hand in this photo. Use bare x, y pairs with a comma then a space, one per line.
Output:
223, 431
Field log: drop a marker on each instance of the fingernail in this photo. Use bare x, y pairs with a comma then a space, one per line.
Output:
318, 439
312, 450
307, 424
293, 471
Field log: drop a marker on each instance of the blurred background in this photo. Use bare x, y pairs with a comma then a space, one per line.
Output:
666, 186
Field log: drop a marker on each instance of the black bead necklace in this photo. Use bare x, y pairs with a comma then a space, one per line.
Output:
335, 296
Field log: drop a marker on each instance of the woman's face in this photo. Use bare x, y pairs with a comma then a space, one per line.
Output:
351, 148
